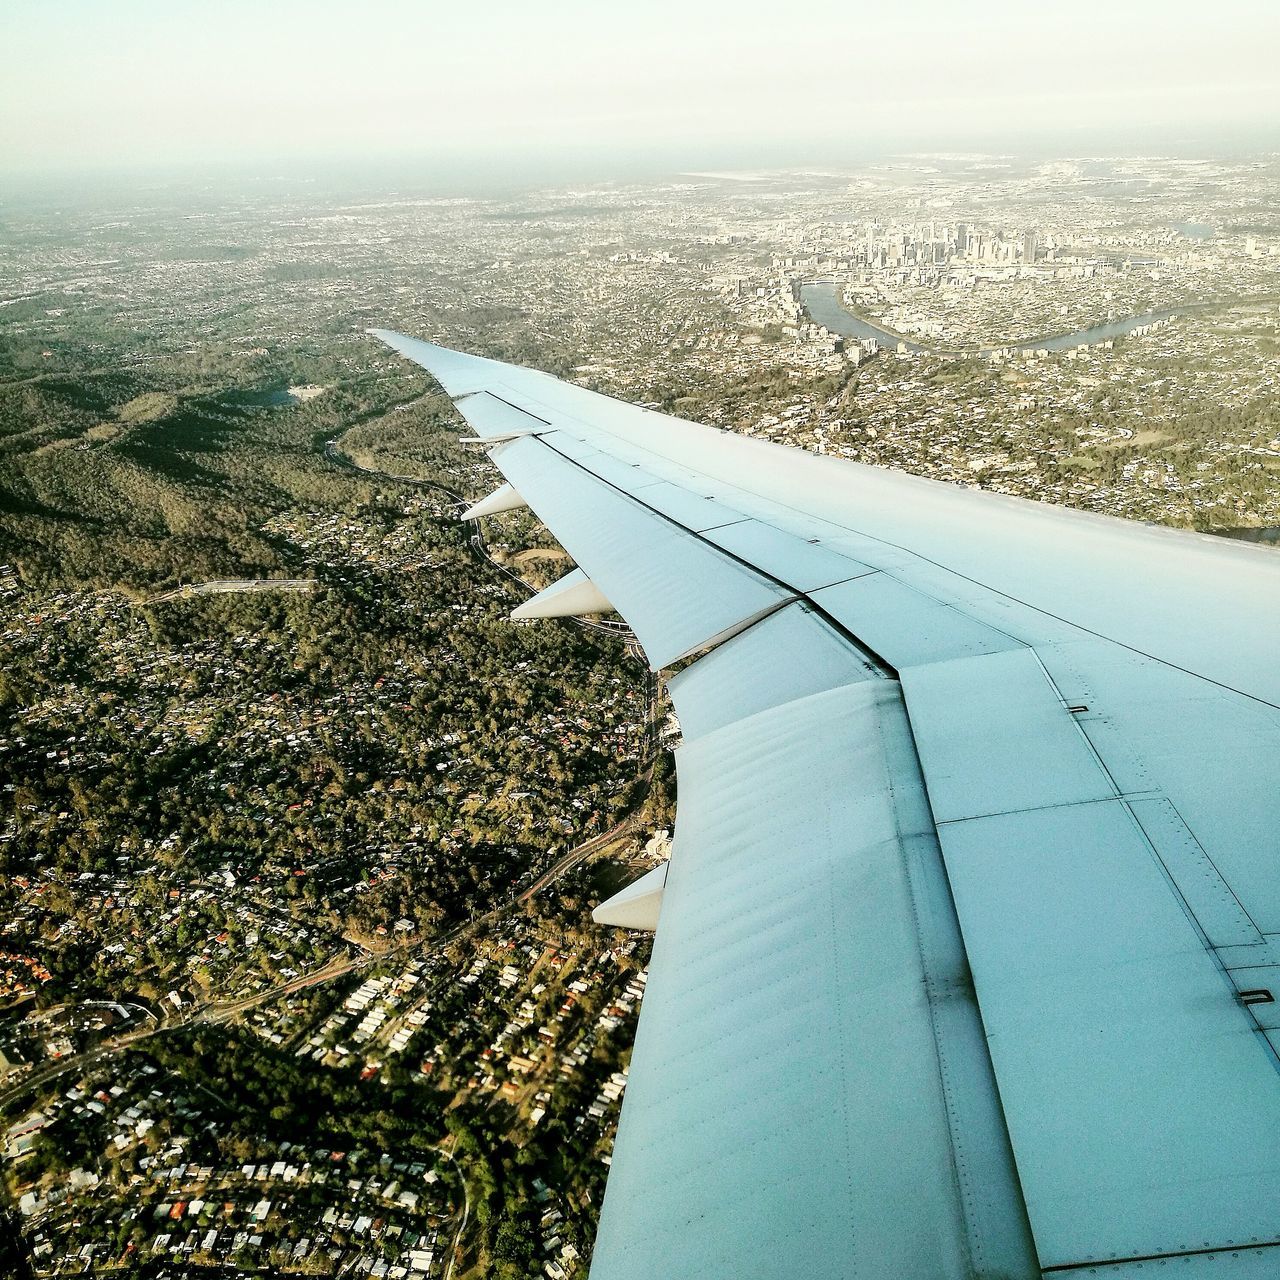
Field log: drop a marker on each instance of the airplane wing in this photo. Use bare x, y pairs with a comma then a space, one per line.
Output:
967, 955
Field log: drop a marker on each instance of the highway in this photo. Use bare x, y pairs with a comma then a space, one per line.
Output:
213, 1012
222, 1012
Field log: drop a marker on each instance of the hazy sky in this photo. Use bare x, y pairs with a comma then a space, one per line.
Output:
109, 83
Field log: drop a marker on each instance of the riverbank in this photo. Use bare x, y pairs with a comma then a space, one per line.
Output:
825, 305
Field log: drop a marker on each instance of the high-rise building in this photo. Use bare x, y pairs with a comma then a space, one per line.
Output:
1028, 246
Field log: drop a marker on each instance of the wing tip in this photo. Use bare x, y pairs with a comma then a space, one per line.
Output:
449, 367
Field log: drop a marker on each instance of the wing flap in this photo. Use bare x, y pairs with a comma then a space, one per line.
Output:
695, 512
1140, 1096
906, 627
679, 594
1209, 751
804, 565
489, 415
788, 655
995, 736
786, 1104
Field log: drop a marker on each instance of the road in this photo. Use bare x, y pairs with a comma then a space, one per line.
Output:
213, 1012
583, 851
466, 1211
217, 1013
219, 585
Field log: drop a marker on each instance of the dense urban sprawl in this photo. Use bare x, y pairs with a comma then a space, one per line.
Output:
299, 836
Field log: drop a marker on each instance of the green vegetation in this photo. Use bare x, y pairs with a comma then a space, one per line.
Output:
209, 792
367, 732
275, 765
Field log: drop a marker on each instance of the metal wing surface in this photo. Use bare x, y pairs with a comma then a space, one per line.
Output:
966, 955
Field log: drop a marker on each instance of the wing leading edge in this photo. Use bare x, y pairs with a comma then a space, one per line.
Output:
974, 871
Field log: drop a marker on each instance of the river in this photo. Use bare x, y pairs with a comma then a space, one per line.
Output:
825, 307
823, 303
